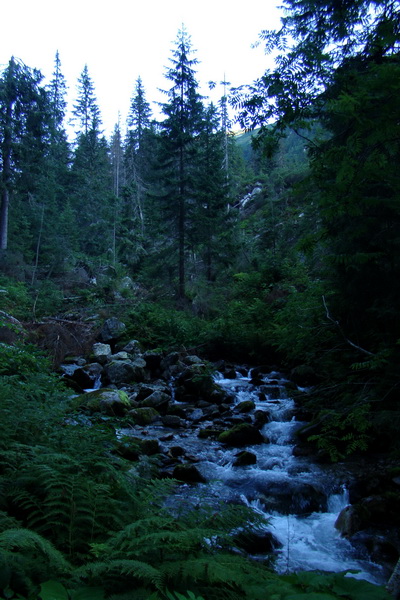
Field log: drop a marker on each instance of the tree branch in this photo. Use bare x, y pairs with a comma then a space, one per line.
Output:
367, 352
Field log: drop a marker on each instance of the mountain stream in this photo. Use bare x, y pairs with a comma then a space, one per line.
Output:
301, 499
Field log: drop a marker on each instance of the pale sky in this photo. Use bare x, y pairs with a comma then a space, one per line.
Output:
123, 39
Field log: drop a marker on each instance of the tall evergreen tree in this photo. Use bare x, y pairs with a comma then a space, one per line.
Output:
137, 149
57, 91
92, 181
183, 122
24, 134
86, 111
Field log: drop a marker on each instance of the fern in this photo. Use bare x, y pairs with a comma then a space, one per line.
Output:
26, 541
120, 568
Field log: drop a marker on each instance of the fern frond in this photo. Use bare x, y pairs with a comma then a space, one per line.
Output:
27, 541
123, 567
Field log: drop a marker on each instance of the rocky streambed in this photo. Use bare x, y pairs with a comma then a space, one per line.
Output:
231, 434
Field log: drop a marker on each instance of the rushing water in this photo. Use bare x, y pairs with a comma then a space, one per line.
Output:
301, 500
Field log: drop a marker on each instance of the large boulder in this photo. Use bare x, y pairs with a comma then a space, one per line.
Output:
351, 519
188, 474
244, 458
110, 402
243, 434
125, 371
257, 541
144, 415
101, 352
158, 400
112, 330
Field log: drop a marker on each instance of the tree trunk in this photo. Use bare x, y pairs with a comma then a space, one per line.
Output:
4, 219
181, 227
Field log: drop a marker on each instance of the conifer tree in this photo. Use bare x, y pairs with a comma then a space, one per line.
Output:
137, 158
57, 91
24, 135
86, 110
92, 182
183, 122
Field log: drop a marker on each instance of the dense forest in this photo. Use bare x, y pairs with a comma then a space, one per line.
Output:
276, 246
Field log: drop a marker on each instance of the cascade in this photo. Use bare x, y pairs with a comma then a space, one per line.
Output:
300, 499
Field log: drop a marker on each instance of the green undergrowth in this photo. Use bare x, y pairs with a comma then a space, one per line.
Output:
78, 521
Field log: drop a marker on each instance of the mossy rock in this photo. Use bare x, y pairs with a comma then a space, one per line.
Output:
245, 406
110, 402
208, 433
242, 434
144, 415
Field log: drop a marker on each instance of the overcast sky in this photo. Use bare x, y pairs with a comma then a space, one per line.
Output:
122, 39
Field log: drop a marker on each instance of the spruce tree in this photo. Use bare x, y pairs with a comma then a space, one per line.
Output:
183, 122
91, 174
24, 136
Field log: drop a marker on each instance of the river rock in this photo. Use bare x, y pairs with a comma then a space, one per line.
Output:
244, 459
291, 497
94, 370
125, 371
243, 434
110, 402
188, 473
79, 379
173, 421
351, 519
195, 382
261, 417
112, 330
132, 348
144, 415
158, 400
153, 363
101, 352
257, 542
245, 406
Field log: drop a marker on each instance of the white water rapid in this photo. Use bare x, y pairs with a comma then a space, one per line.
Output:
302, 500
309, 540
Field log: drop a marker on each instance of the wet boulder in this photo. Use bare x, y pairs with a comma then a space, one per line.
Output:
261, 417
243, 434
77, 378
291, 497
244, 458
188, 473
351, 519
257, 542
245, 406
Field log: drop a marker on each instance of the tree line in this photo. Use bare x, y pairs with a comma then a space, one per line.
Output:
160, 194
